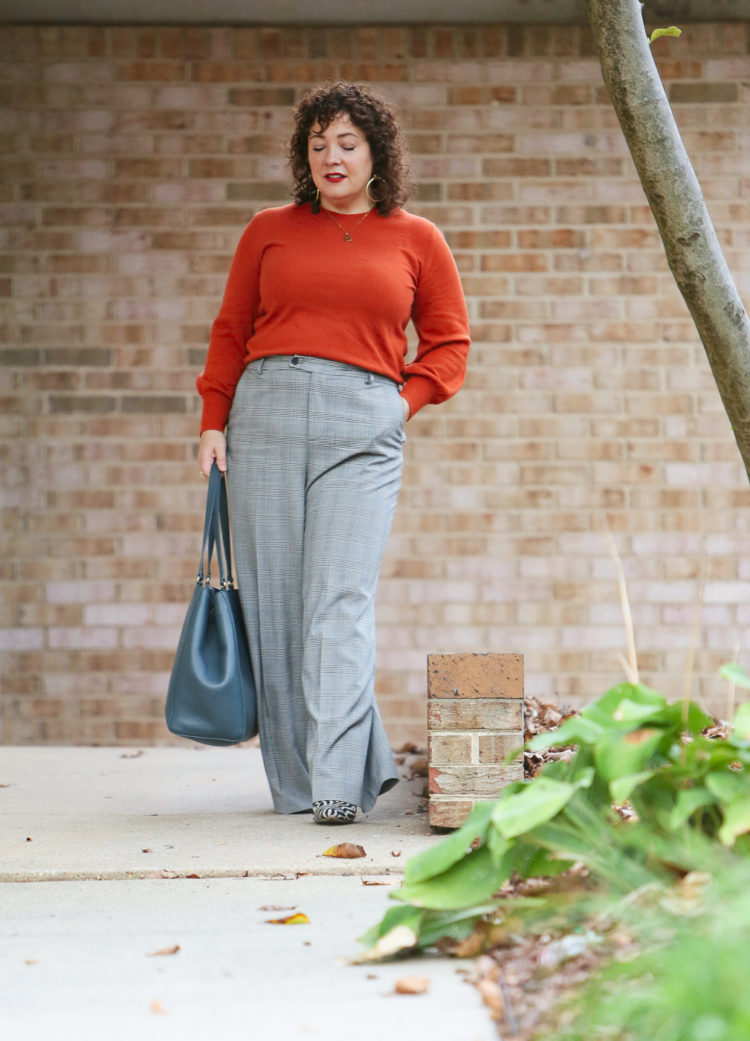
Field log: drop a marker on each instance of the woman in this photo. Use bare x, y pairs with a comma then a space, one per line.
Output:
306, 371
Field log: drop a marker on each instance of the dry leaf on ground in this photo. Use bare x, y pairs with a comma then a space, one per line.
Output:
419, 768
293, 919
345, 850
157, 1009
164, 952
492, 996
367, 882
412, 985
278, 907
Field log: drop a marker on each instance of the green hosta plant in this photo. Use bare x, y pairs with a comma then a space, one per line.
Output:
685, 792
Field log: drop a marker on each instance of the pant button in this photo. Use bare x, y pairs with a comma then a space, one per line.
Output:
295, 360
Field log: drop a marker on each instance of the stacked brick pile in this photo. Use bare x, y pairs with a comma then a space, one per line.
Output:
475, 724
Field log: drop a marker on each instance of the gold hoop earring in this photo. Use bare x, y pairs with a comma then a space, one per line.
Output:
367, 189
317, 195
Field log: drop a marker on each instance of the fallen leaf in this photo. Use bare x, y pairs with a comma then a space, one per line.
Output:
4, 786
395, 853
412, 985
28, 839
164, 952
366, 882
133, 755
147, 851
345, 850
492, 996
157, 1009
293, 919
193, 875
277, 907
30, 961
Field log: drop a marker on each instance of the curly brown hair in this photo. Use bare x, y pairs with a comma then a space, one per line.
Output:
370, 113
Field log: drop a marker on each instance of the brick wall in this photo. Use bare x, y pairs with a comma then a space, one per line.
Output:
132, 159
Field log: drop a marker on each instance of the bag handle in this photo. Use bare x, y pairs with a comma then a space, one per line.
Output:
216, 532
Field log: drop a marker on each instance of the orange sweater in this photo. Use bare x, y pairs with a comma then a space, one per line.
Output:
296, 286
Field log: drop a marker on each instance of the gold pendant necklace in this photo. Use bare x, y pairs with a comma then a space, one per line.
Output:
347, 234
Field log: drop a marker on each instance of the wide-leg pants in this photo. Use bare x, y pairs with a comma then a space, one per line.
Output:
315, 451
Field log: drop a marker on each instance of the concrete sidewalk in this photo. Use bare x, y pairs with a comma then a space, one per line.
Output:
131, 854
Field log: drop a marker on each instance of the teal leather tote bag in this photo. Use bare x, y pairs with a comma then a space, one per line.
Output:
211, 696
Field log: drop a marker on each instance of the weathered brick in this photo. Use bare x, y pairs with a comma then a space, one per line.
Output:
474, 714
495, 748
449, 813
475, 675
449, 748
479, 782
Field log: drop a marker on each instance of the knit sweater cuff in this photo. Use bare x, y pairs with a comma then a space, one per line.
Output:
418, 391
216, 407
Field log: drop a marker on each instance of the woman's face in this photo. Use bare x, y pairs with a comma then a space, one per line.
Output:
341, 165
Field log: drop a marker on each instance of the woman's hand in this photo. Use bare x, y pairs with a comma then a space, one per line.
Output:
407, 410
213, 446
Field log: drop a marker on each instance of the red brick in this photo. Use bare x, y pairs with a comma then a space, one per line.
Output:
449, 813
477, 675
477, 782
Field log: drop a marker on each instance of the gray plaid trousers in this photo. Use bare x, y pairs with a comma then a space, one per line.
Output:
315, 451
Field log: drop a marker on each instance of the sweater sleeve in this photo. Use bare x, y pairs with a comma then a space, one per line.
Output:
442, 323
231, 330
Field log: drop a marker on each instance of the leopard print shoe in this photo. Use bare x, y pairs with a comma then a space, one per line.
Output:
332, 811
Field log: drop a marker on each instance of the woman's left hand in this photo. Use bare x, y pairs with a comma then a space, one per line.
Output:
407, 410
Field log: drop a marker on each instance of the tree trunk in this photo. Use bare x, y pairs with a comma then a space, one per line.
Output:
676, 200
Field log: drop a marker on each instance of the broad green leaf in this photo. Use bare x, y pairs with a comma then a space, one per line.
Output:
574, 731
658, 33
402, 916
603, 710
735, 674
542, 799
694, 720
438, 858
736, 820
397, 940
688, 801
729, 785
741, 724
546, 864
470, 881
565, 838
497, 845
621, 788
629, 711
458, 925
620, 754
